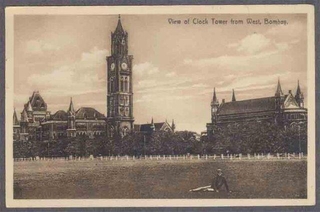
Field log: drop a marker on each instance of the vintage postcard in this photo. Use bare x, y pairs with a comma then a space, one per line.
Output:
160, 106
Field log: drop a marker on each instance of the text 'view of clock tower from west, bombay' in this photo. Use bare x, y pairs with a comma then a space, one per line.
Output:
119, 81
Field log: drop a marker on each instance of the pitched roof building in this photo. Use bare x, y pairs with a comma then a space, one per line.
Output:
155, 127
284, 109
38, 123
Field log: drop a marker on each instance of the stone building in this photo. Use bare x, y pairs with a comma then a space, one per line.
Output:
39, 124
120, 89
71, 123
282, 109
155, 127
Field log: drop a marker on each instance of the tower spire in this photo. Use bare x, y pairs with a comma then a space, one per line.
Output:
214, 98
119, 28
71, 108
173, 126
233, 96
279, 90
298, 90
299, 96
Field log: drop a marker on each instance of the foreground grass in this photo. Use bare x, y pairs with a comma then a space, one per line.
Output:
157, 179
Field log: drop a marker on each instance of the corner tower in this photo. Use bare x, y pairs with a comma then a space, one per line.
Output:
119, 85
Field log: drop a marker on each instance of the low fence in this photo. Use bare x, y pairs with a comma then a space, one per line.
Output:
269, 156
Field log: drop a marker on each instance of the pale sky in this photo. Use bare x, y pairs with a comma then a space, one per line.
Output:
175, 66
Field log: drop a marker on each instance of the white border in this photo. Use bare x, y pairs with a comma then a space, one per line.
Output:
111, 10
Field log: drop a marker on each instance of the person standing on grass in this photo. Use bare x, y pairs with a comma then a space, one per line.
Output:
219, 181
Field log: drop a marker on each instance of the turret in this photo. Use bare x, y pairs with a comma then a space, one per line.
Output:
279, 96
71, 120
233, 96
119, 40
214, 106
299, 96
279, 90
173, 126
24, 121
152, 125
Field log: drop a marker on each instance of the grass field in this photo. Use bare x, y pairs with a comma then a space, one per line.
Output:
157, 179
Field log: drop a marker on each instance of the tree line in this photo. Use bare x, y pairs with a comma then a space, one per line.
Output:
245, 138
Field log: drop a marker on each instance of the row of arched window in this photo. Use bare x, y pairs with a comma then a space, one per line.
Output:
124, 84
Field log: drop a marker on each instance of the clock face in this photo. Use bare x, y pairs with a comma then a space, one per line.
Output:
124, 66
113, 66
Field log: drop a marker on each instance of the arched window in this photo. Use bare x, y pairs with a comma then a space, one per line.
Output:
122, 84
122, 100
126, 84
111, 87
111, 131
126, 100
125, 131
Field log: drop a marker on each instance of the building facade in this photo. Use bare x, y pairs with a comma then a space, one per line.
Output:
155, 127
282, 109
120, 89
37, 123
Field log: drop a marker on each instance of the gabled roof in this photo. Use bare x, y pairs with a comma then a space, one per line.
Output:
29, 107
247, 106
37, 103
160, 126
290, 102
88, 113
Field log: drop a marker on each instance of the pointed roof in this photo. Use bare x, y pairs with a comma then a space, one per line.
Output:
290, 102
298, 93
233, 96
279, 90
71, 108
214, 98
173, 125
119, 28
15, 118
29, 107
37, 103
24, 116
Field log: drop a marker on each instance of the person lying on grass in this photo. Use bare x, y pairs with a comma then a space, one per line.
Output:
216, 184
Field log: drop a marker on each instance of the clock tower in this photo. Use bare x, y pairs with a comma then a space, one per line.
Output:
119, 85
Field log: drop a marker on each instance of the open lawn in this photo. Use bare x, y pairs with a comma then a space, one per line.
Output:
157, 179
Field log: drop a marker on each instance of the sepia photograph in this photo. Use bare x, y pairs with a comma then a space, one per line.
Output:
160, 106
